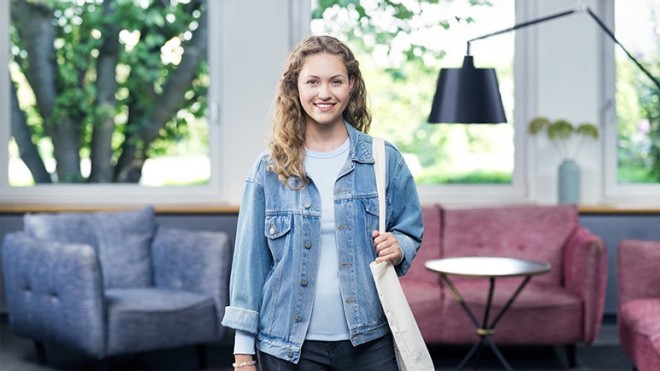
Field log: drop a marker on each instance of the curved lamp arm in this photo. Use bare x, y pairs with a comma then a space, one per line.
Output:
600, 23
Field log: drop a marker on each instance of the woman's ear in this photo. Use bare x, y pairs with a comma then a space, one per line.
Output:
351, 83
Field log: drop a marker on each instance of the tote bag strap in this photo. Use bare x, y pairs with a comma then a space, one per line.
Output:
379, 168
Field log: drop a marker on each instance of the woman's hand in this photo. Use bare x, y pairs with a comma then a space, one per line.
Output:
387, 248
244, 362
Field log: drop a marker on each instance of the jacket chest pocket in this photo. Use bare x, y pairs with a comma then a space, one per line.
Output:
370, 207
277, 229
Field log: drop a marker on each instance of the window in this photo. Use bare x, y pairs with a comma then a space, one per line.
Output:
109, 99
633, 116
401, 50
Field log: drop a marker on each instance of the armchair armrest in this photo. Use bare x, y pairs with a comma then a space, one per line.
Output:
197, 261
54, 292
638, 269
585, 273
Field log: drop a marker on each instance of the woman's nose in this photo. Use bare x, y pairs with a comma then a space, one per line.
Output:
324, 92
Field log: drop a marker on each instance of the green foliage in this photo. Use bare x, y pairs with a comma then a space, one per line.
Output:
638, 124
560, 131
476, 177
148, 33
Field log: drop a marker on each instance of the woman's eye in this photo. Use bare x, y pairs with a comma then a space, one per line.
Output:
312, 81
337, 82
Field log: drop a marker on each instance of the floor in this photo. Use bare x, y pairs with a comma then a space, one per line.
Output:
17, 354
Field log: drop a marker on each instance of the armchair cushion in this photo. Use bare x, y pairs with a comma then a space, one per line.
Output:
123, 246
66, 228
144, 319
121, 240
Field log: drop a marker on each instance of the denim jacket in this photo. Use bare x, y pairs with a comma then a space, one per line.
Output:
276, 255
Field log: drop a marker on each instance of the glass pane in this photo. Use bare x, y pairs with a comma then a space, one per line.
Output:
637, 97
401, 47
109, 92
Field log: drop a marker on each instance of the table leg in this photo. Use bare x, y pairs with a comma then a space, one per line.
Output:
484, 330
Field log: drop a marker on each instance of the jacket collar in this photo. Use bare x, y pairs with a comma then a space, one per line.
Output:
361, 144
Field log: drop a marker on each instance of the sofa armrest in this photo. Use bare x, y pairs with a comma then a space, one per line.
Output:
638, 269
54, 292
585, 274
197, 261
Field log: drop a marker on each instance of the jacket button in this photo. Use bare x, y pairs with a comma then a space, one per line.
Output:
303, 282
272, 230
290, 354
307, 205
308, 245
298, 318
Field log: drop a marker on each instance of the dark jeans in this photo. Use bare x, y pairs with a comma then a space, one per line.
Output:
376, 355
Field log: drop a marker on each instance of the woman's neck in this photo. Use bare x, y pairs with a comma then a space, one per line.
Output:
325, 138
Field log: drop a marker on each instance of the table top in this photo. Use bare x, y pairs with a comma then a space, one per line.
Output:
487, 266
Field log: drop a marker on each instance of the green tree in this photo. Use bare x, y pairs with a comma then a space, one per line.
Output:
101, 86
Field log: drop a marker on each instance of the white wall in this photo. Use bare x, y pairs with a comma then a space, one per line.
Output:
568, 76
256, 44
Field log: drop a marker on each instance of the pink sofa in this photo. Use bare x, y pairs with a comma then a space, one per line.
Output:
562, 307
638, 269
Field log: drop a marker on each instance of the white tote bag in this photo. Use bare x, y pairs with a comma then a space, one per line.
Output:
409, 346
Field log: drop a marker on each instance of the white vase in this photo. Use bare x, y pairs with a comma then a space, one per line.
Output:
568, 182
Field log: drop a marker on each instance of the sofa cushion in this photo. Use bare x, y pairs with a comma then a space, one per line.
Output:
123, 246
418, 293
545, 309
534, 296
537, 233
144, 319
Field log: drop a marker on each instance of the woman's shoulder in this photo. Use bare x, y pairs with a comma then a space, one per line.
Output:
260, 164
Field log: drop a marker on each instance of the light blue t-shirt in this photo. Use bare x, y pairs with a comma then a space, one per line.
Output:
328, 321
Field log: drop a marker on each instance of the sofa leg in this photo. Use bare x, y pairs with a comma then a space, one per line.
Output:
201, 355
40, 349
571, 355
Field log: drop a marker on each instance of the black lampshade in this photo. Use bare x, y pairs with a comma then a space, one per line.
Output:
467, 95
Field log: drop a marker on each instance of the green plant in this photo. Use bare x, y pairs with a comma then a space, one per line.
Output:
560, 131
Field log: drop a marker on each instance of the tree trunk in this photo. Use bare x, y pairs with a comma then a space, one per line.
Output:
106, 87
34, 23
27, 149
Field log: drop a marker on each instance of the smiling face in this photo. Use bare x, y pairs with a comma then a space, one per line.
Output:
324, 89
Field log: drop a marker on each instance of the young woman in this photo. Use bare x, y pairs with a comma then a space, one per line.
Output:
301, 289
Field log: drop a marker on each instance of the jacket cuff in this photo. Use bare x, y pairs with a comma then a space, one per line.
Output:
241, 319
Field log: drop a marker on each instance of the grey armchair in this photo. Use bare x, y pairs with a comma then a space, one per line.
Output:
114, 283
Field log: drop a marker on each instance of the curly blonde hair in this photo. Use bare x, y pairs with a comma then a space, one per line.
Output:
287, 140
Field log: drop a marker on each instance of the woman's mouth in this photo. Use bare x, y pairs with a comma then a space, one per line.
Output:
323, 107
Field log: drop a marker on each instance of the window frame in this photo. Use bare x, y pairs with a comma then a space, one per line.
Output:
112, 193
613, 192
